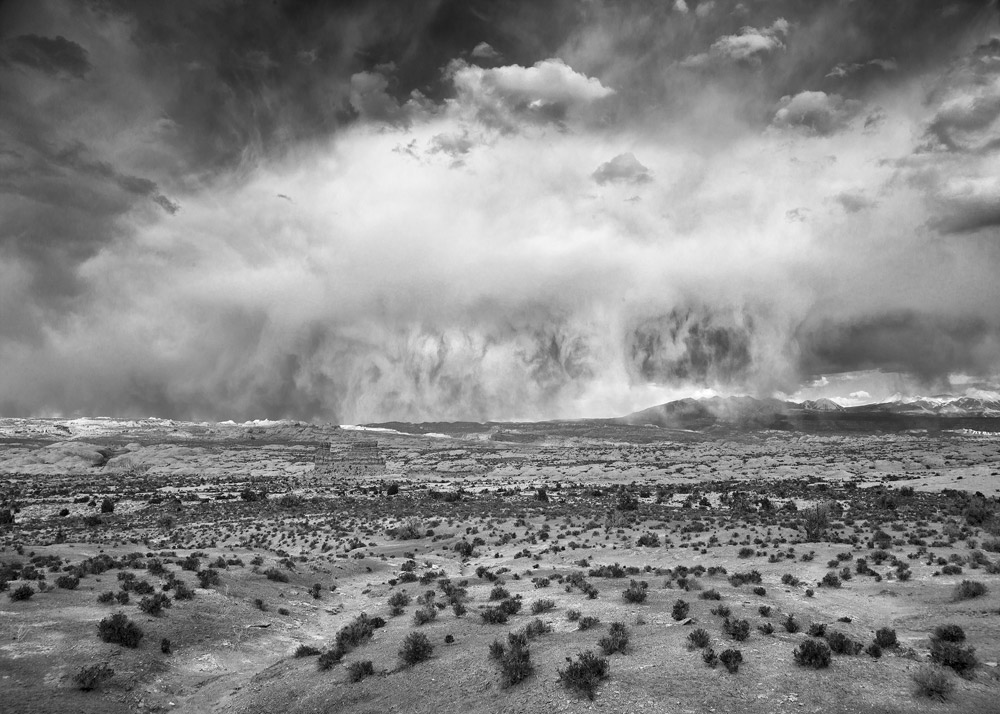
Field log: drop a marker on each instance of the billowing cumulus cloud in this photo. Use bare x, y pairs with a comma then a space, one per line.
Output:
816, 112
503, 96
750, 45
485, 51
456, 211
624, 168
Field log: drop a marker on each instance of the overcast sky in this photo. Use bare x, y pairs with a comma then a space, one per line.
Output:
364, 211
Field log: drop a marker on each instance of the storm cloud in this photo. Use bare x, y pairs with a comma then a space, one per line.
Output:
478, 210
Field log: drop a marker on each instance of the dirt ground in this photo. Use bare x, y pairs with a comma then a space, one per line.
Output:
277, 554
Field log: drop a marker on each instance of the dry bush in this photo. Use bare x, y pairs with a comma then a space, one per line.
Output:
933, 682
585, 673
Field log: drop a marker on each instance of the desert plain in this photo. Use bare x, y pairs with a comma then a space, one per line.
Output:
156, 566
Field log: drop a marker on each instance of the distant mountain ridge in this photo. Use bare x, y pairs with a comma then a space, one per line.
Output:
944, 411
976, 411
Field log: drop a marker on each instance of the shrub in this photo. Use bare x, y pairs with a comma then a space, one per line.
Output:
330, 658
165, 645
649, 540
191, 562
710, 594
616, 640
764, 610
960, 658
885, 637
494, 616
842, 644
118, 629
496, 649
766, 629
948, 633
210, 576
698, 638
588, 621
397, 601
425, 614
816, 629
535, 628
966, 590
737, 579
709, 657
154, 604
22, 593
416, 648
739, 630
830, 580
357, 671
183, 592
731, 659
636, 592
88, 678
573, 615
873, 650
722, 611
67, 582
812, 653
499, 592
139, 587
933, 682
761, 591
514, 660
276, 575
511, 605
357, 631
790, 624
584, 674
680, 610
306, 651
107, 506
540, 606
106, 598
815, 521
122, 597
616, 570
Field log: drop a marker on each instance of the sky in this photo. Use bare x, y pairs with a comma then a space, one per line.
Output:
490, 210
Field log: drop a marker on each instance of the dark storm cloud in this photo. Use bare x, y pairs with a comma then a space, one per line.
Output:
52, 55
955, 165
224, 86
255, 80
443, 251
968, 103
927, 346
698, 345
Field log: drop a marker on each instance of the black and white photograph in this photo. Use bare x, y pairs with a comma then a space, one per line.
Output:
499, 356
